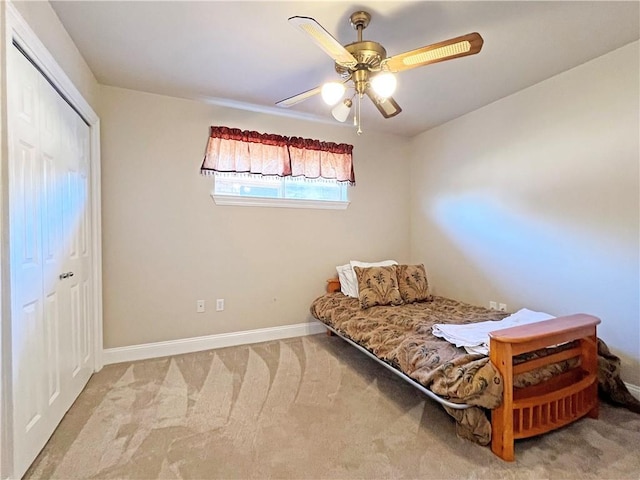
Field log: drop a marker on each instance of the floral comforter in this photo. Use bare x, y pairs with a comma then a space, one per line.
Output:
401, 336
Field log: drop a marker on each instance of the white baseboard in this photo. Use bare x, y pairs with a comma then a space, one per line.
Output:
209, 342
633, 389
197, 344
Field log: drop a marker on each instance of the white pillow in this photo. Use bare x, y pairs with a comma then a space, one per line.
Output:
355, 263
347, 280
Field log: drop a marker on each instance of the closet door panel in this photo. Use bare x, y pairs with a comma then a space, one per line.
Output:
51, 228
26, 172
76, 259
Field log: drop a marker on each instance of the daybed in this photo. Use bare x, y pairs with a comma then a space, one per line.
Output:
538, 377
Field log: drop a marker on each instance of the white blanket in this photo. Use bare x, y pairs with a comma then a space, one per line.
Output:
474, 337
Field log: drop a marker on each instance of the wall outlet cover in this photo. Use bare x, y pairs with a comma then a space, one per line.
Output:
200, 306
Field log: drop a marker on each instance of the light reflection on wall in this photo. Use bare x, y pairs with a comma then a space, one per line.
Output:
553, 267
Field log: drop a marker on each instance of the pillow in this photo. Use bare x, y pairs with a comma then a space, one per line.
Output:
412, 283
355, 263
347, 280
378, 286
347, 276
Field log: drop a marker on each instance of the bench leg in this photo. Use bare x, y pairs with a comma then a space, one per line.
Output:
593, 413
502, 434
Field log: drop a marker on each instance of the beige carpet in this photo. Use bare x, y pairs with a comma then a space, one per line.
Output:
310, 407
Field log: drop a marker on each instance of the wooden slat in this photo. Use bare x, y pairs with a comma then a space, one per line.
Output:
543, 428
549, 359
563, 393
554, 384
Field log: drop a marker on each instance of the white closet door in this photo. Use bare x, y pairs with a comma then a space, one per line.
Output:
48, 217
76, 228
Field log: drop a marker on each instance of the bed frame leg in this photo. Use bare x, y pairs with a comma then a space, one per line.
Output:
590, 363
502, 442
330, 333
595, 411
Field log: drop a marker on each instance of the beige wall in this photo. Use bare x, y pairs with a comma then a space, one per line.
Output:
533, 200
45, 23
166, 244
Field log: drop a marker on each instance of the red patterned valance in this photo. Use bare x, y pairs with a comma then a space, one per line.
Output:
242, 151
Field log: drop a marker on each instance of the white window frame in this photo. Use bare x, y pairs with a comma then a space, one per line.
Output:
246, 201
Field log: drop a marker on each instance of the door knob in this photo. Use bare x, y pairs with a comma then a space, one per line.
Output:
62, 276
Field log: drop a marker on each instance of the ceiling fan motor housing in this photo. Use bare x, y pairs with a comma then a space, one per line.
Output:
368, 54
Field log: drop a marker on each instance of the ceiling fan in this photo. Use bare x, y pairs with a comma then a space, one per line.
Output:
365, 67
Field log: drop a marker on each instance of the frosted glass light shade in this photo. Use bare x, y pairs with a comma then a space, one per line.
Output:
384, 84
332, 92
341, 111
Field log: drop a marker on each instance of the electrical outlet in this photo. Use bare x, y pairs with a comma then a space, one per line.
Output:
493, 305
220, 304
502, 307
200, 306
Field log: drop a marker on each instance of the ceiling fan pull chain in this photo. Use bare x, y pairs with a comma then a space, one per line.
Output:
359, 132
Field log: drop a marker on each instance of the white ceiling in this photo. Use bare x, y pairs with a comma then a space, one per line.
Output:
245, 54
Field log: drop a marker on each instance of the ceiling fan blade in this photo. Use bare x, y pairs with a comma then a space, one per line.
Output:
469, 44
288, 102
324, 40
386, 106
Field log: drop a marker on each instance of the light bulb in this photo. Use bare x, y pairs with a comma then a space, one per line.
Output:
341, 111
332, 92
384, 84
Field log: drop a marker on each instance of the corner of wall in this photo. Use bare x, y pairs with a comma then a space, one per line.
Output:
43, 20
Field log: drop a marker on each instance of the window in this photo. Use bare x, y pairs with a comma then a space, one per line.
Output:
257, 169
258, 190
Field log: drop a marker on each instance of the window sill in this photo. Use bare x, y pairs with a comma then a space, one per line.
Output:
278, 202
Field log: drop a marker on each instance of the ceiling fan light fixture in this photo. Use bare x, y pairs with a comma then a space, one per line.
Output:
332, 92
341, 111
384, 84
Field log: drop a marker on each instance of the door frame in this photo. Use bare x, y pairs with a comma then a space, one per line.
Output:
14, 28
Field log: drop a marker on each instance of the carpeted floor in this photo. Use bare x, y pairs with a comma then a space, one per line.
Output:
309, 407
